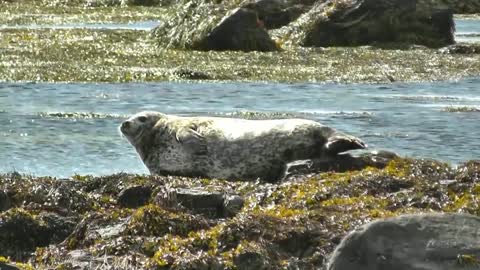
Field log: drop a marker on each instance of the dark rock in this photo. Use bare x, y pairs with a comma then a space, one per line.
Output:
6, 266
241, 31
412, 242
277, 13
340, 163
56, 227
135, 196
250, 261
462, 48
363, 22
200, 201
188, 74
232, 205
5, 202
21, 232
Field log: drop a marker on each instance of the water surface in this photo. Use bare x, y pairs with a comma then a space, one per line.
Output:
405, 118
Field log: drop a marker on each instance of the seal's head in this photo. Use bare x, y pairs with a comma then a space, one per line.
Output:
139, 125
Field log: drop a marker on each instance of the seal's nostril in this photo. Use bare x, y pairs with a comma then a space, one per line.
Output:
125, 124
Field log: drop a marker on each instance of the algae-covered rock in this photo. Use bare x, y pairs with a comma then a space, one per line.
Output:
294, 224
412, 242
461, 48
362, 22
135, 196
206, 25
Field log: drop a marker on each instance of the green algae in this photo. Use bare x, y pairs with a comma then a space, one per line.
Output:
130, 56
281, 224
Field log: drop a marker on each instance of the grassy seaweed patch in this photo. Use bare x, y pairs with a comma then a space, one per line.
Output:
82, 55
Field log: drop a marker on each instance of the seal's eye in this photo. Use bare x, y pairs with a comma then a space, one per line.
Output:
142, 119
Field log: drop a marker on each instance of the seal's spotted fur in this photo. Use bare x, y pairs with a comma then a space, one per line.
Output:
230, 148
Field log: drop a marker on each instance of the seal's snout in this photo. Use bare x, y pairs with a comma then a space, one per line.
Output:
125, 127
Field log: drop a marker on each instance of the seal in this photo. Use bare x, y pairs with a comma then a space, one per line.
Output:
230, 148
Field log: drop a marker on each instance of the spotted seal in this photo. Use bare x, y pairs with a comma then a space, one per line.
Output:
230, 148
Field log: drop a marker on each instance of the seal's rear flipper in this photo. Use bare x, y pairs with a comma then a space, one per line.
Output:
340, 143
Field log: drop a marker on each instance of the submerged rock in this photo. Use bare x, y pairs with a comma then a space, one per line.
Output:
412, 242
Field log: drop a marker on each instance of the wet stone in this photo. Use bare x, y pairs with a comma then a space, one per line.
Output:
6, 266
461, 48
412, 242
135, 196
5, 202
250, 261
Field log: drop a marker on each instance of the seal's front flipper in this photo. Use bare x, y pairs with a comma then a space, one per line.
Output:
339, 143
192, 141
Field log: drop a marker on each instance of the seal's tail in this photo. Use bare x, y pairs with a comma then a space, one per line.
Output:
340, 143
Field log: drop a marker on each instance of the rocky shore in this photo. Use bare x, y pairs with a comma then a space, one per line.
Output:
144, 222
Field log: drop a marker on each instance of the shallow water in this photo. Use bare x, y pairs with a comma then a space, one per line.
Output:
142, 26
405, 118
467, 30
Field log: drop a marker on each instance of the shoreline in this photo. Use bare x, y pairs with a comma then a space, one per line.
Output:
110, 219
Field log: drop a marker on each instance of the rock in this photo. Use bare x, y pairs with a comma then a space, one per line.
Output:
241, 31
135, 196
56, 227
206, 25
250, 261
21, 233
5, 202
185, 73
412, 242
364, 22
340, 163
6, 266
200, 201
461, 48
277, 13
232, 205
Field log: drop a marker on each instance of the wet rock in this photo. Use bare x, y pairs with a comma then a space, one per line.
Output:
340, 163
251, 261
232, 205
411, 242
21, 232
200, 201
462, 7
56, 227
364, 22
206, 25
5, 202
187, 74
461, 48
135, 196
277, 13
6, 266
241, 31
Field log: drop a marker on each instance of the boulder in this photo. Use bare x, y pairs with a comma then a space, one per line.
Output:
205, 25
412, 242
134, 196
364, 22
212, 204
5, 202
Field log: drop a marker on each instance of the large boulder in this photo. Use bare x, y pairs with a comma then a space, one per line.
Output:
206, 25
364, 22
412, 242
